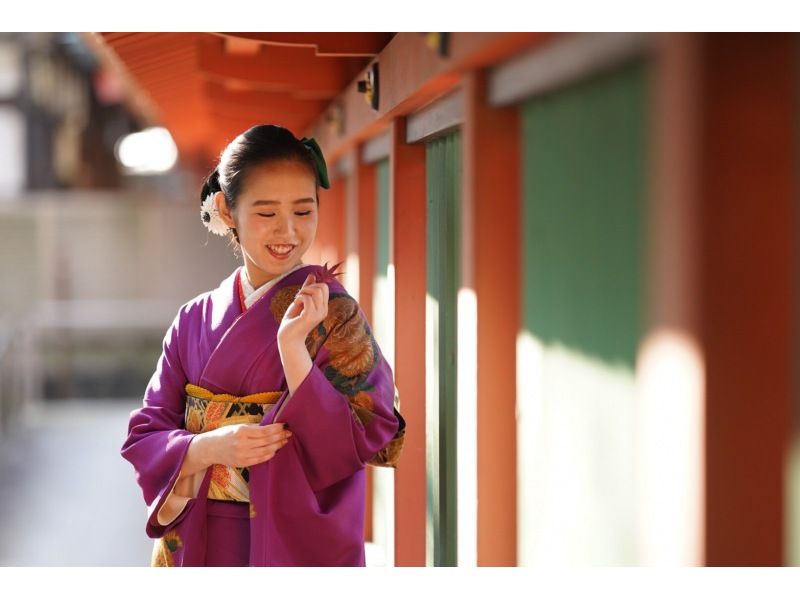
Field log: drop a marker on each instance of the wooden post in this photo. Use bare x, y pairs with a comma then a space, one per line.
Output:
407, 189
491, 188
747, 139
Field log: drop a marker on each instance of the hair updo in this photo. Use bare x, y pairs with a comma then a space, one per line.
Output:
258, 145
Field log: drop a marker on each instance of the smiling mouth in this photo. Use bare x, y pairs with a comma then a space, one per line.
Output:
280, 252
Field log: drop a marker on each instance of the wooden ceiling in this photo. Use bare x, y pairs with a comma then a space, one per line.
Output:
206, 88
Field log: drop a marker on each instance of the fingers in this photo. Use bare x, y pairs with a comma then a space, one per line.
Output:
264, 434
318, 293
314, 297
311, 308
264, 453
294, 309
310, 279
278, 438
257, 430
302, 305
271, 446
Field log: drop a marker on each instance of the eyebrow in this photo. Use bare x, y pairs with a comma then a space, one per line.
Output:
272, 202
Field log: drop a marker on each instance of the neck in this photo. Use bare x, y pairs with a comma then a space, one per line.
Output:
257, 277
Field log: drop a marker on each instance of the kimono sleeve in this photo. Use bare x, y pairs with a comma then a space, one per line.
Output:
157, 441
342, 414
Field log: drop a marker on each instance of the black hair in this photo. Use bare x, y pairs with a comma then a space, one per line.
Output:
258, 145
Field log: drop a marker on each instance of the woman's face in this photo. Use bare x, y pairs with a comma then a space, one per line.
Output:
275, 218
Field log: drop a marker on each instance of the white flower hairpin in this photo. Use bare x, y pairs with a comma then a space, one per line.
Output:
211, 218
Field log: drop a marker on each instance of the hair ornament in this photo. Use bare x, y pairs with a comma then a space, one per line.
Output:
211, 218
319, 160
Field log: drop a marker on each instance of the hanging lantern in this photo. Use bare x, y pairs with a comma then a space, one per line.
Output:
369, 86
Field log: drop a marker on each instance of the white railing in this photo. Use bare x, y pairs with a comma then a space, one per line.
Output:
48, 324
18, 386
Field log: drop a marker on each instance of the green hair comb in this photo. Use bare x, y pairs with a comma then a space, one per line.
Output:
319, 160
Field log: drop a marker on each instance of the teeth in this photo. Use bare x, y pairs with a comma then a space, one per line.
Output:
281, 248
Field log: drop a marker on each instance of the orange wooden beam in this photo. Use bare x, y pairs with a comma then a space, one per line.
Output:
180, 61
250, 98
282, 68
325, 43
302, 112
407, 189
411, 76
148, 48
229, 127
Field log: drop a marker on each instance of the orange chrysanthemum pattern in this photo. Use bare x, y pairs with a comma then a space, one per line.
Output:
165, 547
207, 411
352, 355
281, 301
213, 415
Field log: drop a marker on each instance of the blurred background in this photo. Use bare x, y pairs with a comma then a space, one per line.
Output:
578, 252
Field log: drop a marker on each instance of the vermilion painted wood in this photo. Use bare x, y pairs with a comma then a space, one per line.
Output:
364, 180
491, 188
365, 43
412, 75
748, 155
282, 67
329, 242
170, 72
407, 184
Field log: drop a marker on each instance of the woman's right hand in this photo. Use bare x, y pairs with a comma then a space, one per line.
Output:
243, 445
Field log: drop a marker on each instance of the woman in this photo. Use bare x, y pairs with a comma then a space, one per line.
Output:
226, 480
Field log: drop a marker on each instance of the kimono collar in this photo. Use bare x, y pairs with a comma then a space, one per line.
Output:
248, 295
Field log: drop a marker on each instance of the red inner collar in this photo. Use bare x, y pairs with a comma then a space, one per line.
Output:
241, 291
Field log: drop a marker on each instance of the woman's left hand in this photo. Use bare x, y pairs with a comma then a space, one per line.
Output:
309, 308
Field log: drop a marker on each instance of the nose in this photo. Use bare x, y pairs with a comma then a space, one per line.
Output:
283, 227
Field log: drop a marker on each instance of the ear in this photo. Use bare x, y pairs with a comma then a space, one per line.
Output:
222, 208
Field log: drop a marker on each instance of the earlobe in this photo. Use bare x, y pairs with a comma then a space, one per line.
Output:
222, 209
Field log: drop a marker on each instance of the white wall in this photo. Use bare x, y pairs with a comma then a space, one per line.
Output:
12, 151
106, 246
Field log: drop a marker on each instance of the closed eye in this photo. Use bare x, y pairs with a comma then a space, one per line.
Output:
266, 215
303, 213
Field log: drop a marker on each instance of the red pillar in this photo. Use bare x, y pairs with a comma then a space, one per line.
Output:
407, 192
747, 131
329, 243
367, 200
363, 186
491, 186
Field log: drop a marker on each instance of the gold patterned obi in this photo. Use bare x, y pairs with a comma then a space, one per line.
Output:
207, 411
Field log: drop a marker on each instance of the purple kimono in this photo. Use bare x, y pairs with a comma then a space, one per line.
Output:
307, 503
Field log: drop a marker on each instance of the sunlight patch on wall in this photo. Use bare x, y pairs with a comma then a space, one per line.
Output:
431, 425
467, 426
351, 276
671, 440
383, 314
383, 477
576, 457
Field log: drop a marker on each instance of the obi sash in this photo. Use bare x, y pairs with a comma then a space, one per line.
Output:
208, 411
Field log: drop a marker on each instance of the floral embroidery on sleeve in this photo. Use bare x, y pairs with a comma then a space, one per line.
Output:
353, 355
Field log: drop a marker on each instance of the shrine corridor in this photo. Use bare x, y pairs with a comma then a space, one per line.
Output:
67, 497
